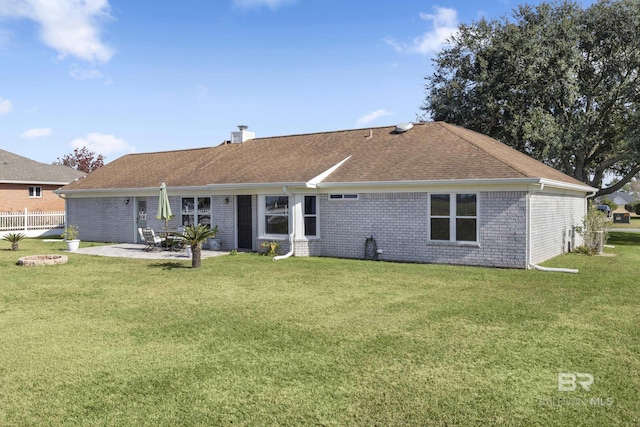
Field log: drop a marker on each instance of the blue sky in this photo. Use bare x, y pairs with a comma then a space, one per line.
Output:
137, 76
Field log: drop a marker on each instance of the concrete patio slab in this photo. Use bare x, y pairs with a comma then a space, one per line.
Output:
132, 250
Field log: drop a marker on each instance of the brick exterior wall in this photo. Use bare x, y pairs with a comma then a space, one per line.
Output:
223, 215
398, 221
15, 197
105, 219
553, 218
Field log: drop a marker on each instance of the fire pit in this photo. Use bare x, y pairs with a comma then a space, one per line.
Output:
34, 260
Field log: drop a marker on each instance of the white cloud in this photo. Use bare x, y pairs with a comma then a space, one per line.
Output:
444, 23
255, 4
36, 133
375, 115
103, 144
90, 74
5, 106
71, 27
84, 74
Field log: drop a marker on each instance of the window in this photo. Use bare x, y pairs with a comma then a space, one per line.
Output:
276, 215
440, 220
310, 215
35, 192
195, 210
453, 217
343, 197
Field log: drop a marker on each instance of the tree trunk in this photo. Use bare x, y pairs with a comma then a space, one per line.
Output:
196, 255
14, 246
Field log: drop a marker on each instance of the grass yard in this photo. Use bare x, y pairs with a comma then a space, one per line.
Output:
635, 223
317, 341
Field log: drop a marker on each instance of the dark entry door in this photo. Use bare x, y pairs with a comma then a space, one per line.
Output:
245, 230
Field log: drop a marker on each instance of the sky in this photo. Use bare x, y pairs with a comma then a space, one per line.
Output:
131, 76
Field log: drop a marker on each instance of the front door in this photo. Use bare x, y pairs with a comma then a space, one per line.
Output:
245, 229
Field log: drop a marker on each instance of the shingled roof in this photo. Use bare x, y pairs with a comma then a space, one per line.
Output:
18, 169
433, 151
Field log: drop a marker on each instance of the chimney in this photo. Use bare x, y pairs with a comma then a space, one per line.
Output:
242, 135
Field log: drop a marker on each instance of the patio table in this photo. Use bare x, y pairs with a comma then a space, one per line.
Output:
171, 240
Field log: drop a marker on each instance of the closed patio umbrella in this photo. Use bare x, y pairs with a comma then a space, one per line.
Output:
164, 209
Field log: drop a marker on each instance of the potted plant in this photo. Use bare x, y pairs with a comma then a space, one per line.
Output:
193, 236
14, 238
70, 235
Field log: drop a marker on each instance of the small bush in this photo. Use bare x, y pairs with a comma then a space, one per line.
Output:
270, 247
593, 222
70, 233
633, 207
14, 238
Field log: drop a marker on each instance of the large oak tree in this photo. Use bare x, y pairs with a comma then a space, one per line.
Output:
556, 81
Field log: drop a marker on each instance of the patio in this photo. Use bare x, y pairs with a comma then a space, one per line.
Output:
132, 250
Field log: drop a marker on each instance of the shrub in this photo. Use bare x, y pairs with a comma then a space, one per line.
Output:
193, 236
70, 233
14, 238
633, 207
593, 222
270, 247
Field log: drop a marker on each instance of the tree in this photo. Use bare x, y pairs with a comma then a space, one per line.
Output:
82, 159
193, 236
557, 82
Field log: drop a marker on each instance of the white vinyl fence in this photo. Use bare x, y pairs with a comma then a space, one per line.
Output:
35, 223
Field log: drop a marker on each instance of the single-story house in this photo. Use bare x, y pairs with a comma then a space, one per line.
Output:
426, 192
27, 184
619, 198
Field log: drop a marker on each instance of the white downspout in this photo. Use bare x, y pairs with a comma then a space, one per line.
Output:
293, 229
529, 263
554, 270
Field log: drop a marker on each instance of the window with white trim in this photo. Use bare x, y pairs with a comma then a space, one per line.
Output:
35, 192
454, 217
276, 215
310, 216
195, 210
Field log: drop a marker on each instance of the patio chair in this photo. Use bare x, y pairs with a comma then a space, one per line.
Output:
151, 239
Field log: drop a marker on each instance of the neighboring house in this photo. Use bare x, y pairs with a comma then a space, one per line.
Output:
25, 183
431, 192
620, 198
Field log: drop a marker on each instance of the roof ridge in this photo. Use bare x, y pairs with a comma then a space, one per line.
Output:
322, 133
146, 153
453, 128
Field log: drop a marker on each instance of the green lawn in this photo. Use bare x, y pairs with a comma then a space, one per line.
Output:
317, 341
635, 223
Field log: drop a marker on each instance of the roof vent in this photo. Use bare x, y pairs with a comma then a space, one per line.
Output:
403, 127
242, 135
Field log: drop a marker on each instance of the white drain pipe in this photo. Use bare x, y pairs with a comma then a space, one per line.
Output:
554, 270
293, 230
